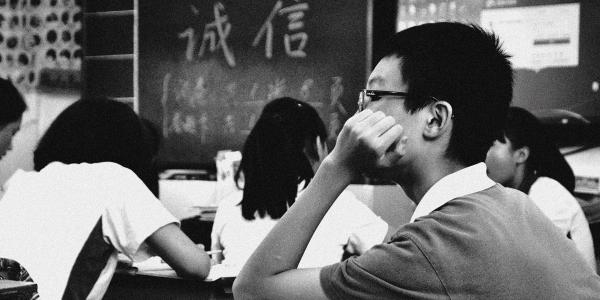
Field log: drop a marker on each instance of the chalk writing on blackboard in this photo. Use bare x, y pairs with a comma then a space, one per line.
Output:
186, 104
215, 35
207, 68
305, 90
276, 89
295, 40
163, 101
335, 124
337, 89
185, 101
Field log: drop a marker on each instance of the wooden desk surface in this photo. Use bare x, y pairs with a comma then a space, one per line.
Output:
140, 286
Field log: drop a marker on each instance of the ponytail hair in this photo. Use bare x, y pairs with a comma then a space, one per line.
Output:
274, 160
523, 129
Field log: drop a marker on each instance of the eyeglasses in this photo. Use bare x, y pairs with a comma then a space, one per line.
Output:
366, 96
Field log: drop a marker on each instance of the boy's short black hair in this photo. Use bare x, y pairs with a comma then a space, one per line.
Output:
464, 66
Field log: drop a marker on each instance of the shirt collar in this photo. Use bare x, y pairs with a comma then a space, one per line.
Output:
460, 183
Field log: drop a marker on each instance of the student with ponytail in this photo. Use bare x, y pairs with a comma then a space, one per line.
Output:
526, 159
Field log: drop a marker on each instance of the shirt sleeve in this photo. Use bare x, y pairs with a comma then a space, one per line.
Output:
397, 270
554, 201
582, 236
565, 212
132, 214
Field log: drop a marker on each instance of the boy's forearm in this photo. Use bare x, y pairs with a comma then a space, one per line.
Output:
283, 247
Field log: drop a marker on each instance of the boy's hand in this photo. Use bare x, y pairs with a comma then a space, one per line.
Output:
365, 142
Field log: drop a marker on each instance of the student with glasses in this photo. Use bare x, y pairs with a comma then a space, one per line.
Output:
468, 236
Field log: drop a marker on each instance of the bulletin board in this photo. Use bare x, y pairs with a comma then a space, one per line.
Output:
207, 68
40, 43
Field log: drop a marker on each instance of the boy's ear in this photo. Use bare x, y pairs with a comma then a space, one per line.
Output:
522, 154
438, 120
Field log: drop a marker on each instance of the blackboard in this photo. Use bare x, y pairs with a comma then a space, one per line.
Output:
207, 68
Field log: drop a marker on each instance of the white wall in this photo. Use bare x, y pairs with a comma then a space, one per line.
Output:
42, 109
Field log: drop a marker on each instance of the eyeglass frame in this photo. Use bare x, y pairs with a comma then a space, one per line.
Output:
379, 94
375, 93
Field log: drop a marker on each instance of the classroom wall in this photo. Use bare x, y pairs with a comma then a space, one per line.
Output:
21, 155
40, 52
42, 110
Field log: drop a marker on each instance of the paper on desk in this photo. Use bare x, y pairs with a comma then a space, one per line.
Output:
155, 266
154, 263
222, 271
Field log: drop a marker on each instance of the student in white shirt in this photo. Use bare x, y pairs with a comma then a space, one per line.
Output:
12, 107
526, 159
85, 203
279, 158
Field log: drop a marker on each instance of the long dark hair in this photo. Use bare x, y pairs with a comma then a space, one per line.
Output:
96, 130
274, 161
523, 129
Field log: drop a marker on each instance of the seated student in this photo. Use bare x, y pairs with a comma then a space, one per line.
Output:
12, 106
433, 106
84, 204
278, 160
524, 158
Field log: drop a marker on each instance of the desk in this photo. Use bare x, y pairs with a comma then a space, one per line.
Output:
142, 286
16, 290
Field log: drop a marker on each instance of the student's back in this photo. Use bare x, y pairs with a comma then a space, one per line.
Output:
348, 222
526, 158
70, 211
12, 106
66, 221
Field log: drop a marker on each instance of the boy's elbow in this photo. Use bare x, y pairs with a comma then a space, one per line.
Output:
196, 274
237, 288
195, 271
243, 289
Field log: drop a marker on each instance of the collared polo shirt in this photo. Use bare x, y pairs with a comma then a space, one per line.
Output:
463, 182
466, 243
